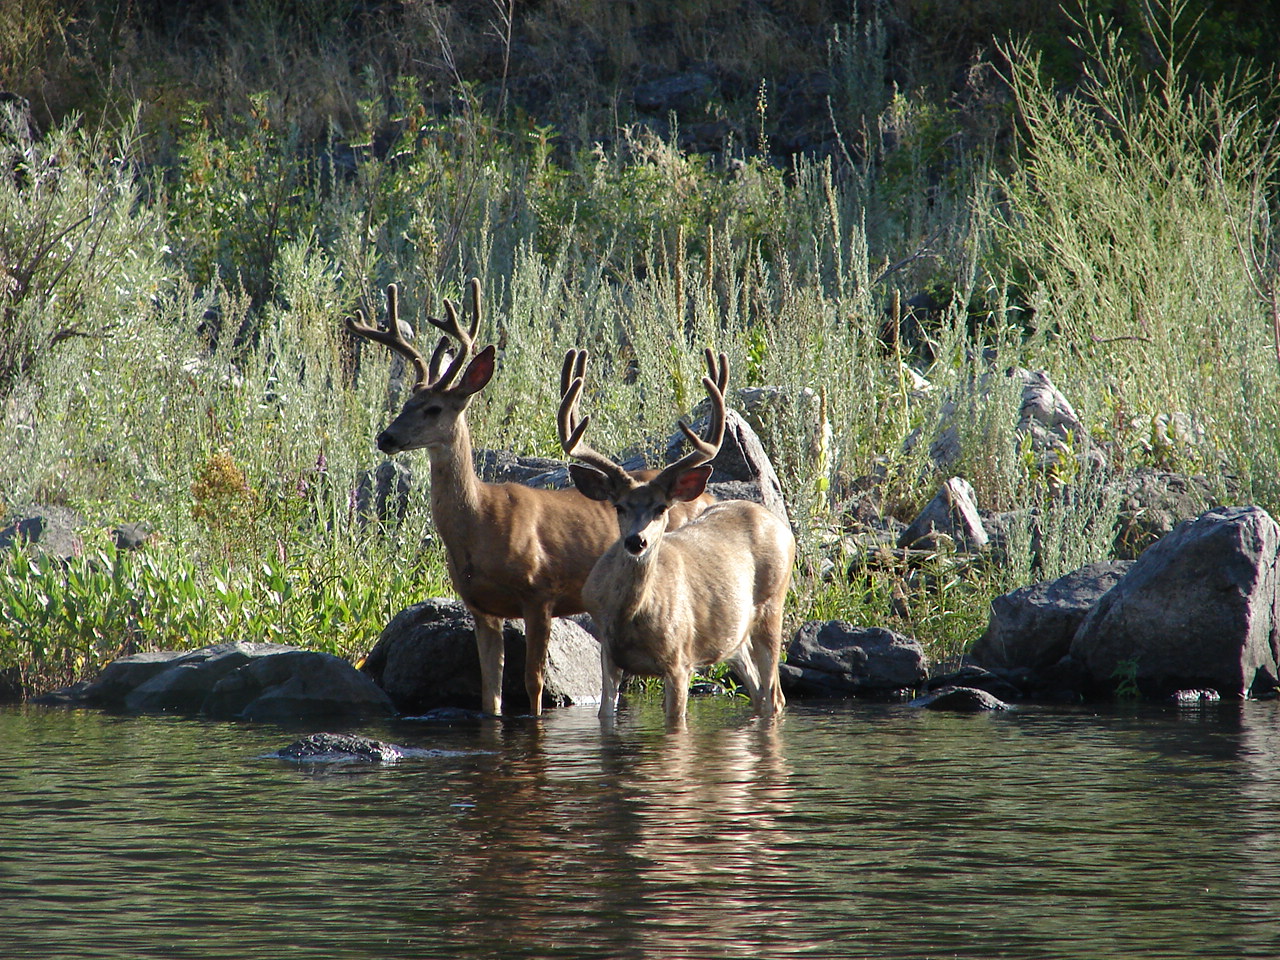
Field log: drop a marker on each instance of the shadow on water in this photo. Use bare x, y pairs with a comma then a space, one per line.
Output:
845, 830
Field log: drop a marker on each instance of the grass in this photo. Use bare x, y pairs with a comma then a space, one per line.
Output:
174, 280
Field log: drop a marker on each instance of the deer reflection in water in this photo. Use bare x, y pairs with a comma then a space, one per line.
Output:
668, 844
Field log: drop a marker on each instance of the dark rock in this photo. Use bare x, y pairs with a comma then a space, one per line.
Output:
339, 748
1004, 684
426, 658
959, 700
1200, 608
682, 93
1032, 626
244, 681
837, 659
132, 536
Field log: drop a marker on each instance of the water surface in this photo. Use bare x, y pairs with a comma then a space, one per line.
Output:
846, 830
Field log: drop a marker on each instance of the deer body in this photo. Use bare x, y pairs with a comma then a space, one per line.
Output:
668, 601
512, 551
690, 602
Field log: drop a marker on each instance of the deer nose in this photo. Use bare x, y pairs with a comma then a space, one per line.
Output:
635, 544
387, 443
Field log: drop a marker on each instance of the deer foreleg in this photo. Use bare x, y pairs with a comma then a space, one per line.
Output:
489, 644
610, 682
537, 634
675, 695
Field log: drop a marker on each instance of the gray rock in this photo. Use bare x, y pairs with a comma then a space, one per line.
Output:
742, 458
949, 520
1200, 608
382, 494
243, 681
836, 659
501, 466
1033, 626
426, 658
50, 530
959, 700
1151, 503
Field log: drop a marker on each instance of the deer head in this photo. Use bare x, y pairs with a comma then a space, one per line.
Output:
442, 388
642, 506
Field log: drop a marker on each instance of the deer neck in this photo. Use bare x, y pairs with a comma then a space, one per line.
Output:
455, 488
631, 581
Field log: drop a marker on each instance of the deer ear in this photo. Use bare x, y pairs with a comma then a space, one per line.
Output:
592, 484
479, 372
691, 484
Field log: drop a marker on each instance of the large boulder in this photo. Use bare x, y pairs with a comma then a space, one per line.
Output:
1198, 609
238, 681
1032, 627
836, 659
741, 460
426, 658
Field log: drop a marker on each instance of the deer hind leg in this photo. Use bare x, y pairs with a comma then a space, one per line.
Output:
766, 652
537, 634
489, 644
745, 667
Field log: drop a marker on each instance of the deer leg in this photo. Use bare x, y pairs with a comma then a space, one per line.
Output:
745, 666
675, 695
489, 644
766, 651
537, 634
610, 682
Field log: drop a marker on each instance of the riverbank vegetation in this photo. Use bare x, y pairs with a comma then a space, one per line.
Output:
192, 200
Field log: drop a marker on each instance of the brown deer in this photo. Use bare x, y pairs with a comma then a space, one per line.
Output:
512, 551
669, 601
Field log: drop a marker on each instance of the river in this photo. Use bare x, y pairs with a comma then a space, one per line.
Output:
845, 830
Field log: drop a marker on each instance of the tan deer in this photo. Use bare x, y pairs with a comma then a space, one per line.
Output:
668, 601
512, 551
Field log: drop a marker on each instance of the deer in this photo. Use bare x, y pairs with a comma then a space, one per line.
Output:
666, 600
511, 551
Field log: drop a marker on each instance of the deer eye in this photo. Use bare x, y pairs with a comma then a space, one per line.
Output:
431, 412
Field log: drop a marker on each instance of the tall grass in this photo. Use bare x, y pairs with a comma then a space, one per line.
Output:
177, 354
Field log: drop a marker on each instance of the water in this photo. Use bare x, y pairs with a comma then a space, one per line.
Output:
843, 831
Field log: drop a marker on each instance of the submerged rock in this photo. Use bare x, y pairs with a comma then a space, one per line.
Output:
959, 700
340, 748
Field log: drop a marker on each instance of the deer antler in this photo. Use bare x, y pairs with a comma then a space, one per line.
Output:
572, 380
704, 448
392, 338
452, 327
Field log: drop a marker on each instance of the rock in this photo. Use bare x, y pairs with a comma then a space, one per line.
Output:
836, 659
49, 530
1047, 417
741, 458
1200, 608
339, 748
1033, 626
501, 466
1196, 696
426, 658
1003, 685
950, 519
1151, 503
681, 92
241, 681
382, 494
132, 536
959, 700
